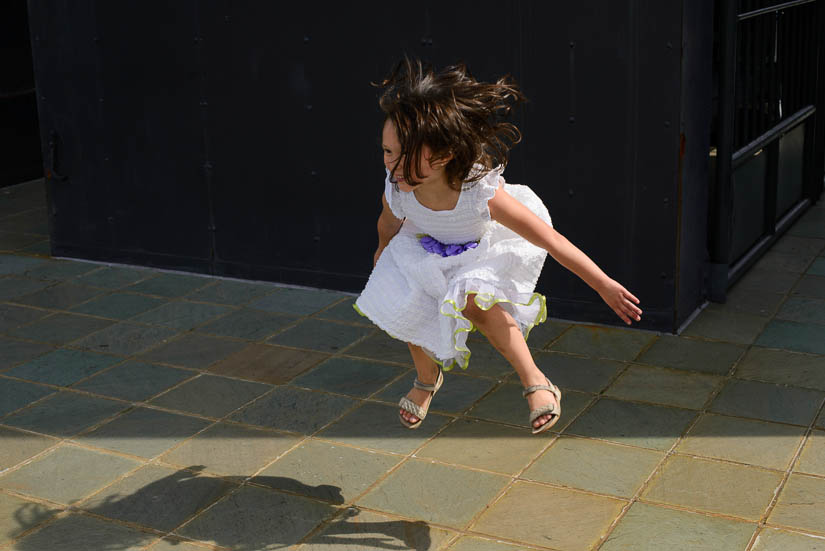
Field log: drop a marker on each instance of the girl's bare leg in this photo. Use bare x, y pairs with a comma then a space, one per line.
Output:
504, 334
427, 371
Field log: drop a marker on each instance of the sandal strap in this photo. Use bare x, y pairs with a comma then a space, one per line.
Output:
530, 389
430, 388
543, 410
410, 406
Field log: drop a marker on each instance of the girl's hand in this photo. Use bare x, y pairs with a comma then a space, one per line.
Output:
620, 299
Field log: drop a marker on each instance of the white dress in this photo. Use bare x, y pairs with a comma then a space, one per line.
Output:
418, 296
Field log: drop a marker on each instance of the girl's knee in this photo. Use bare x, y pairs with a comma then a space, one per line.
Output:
471, 311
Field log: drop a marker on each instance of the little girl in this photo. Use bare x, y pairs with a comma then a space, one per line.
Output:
458, 247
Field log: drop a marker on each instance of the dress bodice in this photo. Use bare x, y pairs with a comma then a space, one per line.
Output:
469, 220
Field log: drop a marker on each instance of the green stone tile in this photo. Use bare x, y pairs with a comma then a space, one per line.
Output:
573, 372
651, 528
744, 440
435, 493
714, 487
376, 426
761, 280
810, 286
324, 336
181, 314
82, 533
771, 539
746, 301
314, 469
594, 466
349, 376
817, 267
640, 425
13, 352
506, 405
803, 310
294, 409
457, 393
36, 222
114, 277
343, 311
144, 432
175, 544
382, 347
479, 444
485, 361
812, 460
232, 293
267, 364
820, 421
249, 324
800, 504
60, 297
783, 367
18, 515
61, 270
808, 226
134, 381
692, 354
157, 497
63, 367
60, 328
724, 326
211, 396
12, 288
802, 246
64, 414
603, 342
298, 302
545, 333
12, 264
17, 446
169, 285
356, 529
467, 543
126, 339
192, 350
257, 518
783, 262
119, 306
67, 474
768, 402
801, 337
664, 386
16, 394
12, 316
231, 450
546, 516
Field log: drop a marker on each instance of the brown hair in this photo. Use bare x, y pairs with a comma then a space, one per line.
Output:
452, 113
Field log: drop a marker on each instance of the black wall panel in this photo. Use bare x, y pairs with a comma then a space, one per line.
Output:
242, 138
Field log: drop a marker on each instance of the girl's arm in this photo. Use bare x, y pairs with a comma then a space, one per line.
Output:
509, 212
388, 226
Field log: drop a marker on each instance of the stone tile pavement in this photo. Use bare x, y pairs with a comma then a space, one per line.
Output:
142, 409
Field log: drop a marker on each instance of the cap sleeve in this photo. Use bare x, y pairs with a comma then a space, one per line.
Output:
485, 189
393, 196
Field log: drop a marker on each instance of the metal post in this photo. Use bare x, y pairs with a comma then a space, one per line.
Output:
721, 206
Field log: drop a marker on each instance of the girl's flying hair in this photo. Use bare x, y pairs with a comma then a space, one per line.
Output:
452, 113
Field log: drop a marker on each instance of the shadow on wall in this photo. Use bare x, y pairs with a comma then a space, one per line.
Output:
250, 519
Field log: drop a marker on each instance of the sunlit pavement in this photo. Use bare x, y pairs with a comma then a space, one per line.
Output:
142, 409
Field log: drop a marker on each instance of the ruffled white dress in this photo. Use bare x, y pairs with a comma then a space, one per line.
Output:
418, 296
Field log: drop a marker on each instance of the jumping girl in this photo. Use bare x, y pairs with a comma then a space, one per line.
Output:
459, 249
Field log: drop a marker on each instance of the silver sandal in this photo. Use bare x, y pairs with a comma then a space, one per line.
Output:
546, 409
419, 411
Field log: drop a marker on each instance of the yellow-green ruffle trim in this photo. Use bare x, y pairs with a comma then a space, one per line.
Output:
488, 301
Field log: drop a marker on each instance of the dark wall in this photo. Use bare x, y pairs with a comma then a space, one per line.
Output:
19, 139
241, 139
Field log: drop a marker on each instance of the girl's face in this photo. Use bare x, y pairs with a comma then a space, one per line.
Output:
394, 160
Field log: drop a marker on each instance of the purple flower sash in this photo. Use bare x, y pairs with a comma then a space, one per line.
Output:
433, 245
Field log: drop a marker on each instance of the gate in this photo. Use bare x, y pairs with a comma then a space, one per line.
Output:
770, 128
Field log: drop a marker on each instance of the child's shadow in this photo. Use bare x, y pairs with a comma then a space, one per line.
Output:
163, 505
